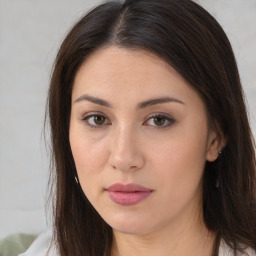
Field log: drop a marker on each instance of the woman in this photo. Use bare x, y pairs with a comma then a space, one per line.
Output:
152, 148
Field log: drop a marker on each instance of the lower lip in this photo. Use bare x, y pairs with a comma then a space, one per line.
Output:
128, 198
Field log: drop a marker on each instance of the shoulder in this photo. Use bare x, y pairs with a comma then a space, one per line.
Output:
41, 246
225, 250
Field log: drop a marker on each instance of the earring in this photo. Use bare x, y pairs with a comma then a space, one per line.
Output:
76, 179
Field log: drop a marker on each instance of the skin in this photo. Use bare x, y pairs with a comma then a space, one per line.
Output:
127, 145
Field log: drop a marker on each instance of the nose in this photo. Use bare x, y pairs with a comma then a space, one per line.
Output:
125, 152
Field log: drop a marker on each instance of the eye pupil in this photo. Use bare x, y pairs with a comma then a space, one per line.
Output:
159, 121
99, 120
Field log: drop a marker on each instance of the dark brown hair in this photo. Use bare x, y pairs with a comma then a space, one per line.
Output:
188, 38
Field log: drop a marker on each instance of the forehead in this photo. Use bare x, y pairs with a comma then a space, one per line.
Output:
120, 73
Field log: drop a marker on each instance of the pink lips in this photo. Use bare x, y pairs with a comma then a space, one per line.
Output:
129, 194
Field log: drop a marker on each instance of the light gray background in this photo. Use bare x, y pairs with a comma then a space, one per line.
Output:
30, 33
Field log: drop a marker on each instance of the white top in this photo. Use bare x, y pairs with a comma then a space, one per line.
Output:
225, 250
41, 245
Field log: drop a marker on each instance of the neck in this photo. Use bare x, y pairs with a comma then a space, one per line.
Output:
175, 240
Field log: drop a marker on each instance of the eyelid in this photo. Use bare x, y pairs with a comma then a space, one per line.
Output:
93, 113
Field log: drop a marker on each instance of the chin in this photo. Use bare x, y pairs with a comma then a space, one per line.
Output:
131, 230
130, 225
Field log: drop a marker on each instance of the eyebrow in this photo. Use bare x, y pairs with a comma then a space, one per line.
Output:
155, 101
140, 105
92, 99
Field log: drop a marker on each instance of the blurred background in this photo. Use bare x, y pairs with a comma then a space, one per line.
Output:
30, 34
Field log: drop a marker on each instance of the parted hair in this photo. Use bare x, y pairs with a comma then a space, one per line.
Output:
188, 38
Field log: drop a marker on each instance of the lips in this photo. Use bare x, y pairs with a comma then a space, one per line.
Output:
129, 194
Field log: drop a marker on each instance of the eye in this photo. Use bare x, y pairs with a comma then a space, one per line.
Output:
95, 120
160, 121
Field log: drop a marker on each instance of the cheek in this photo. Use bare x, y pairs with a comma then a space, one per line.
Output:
178, 180
181, 149
181, 162
89, 156
181, 165
89, 161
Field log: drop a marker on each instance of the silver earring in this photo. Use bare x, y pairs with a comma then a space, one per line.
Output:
76, 179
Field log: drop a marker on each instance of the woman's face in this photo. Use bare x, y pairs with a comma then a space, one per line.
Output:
140, 140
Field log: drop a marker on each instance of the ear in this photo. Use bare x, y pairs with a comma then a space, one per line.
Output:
215, 145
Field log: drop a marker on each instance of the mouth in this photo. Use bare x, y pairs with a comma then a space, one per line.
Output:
129, 194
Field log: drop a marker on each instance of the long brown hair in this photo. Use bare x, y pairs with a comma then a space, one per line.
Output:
191, 41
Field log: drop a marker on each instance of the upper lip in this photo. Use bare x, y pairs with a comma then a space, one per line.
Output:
131, 187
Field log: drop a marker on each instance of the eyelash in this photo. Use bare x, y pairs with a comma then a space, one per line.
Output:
153, 116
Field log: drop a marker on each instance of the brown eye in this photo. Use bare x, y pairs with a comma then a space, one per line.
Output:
99, 120
96, 120
159, 121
